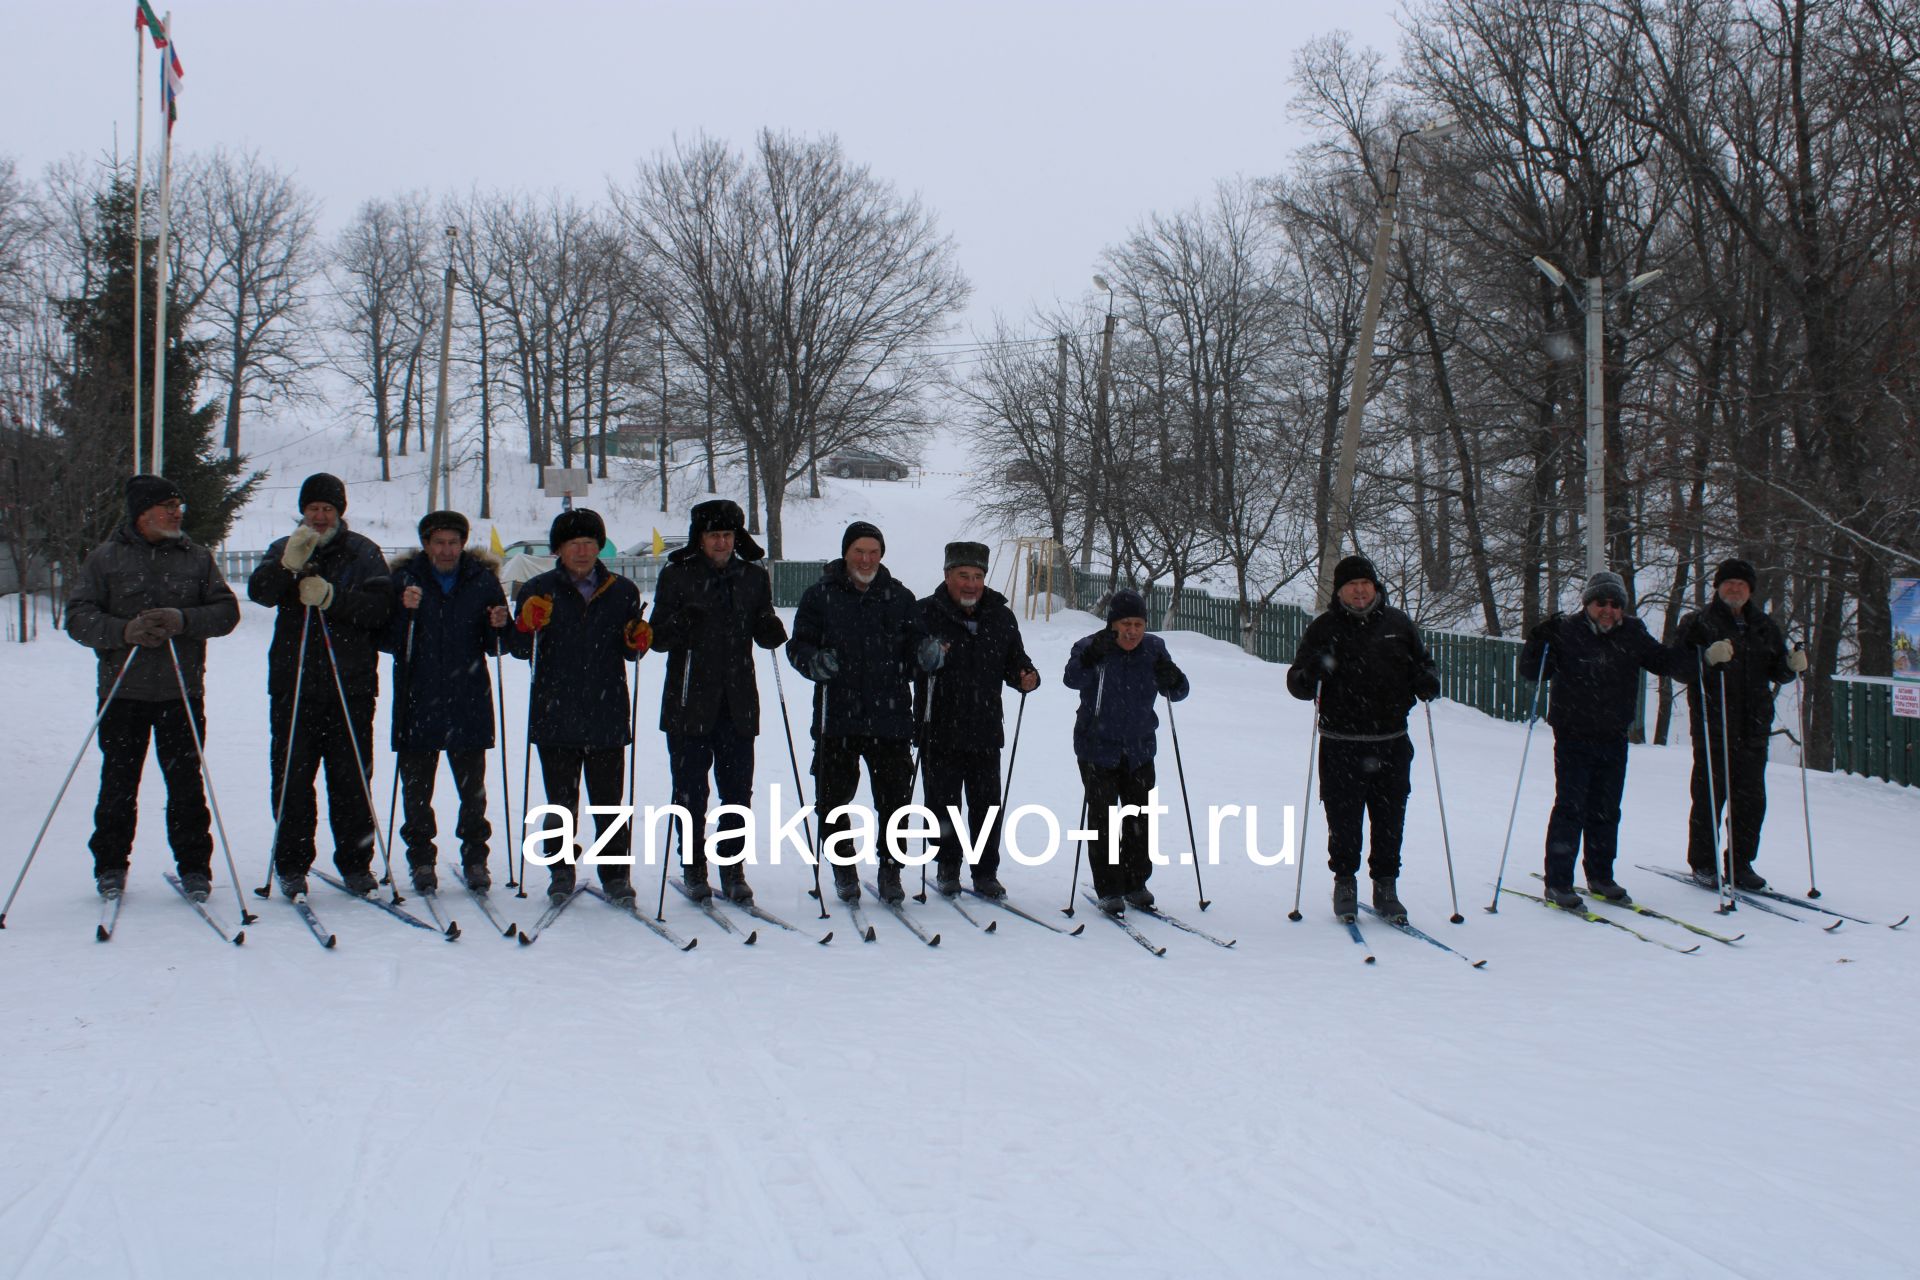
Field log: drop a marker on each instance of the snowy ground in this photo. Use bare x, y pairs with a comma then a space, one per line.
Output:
1021, 1103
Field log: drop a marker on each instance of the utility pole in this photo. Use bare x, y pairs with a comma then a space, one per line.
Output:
663, 420
1102, 378
1057, 497
439, 465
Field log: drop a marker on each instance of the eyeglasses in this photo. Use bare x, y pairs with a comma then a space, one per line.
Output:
1609, 602
172, 506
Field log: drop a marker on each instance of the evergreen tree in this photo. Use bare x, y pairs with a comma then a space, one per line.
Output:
92, 406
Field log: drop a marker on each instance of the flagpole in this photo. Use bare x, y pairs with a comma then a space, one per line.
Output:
139, 159
160, 270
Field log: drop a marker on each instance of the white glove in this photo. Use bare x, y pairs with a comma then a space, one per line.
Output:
1719, 651
300, 545
317, 592
1797, 661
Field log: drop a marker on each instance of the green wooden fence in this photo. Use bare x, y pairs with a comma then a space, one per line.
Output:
1868, 738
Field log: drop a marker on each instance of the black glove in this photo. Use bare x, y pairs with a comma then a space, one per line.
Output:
769, 632
1544, 630
1097, 650
1426, 686
691, 614
826, 665
1166, 675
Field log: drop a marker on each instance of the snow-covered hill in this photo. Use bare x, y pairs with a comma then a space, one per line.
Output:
1019, 1103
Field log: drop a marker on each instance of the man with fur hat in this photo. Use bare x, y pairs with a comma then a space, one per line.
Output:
580, 625
144, 589
1362, 664
858, 636
333, 594
1120, 671
1595, 659
449, 615
962, 722
712, 605
1730, 715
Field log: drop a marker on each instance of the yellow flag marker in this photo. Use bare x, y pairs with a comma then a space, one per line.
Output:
499, 548
659, 544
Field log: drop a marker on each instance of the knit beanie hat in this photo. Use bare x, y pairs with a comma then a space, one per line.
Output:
144, 492
321, 487
1126, 603
1352, 569
861, 529
1605, 585
1735, 569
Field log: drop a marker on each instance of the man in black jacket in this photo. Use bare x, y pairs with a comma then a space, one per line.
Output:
144, 586
963, 726
451, 616
1730, 713
334, 595
712, 605
1595, 659
580, 625
1363, 663
858, 636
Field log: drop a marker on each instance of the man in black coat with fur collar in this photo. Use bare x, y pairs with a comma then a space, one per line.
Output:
712, 605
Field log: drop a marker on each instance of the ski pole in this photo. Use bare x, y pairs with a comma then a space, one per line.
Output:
1446, 843
206, 772
526, 771
1073, 889
402, 696
1533, 718
1306, 813
286, 763
1806, 812
1181, 769
919, 758
1014, 754
1720, 887
359, 760
506, 782
799, 791
1726, 778
67, 781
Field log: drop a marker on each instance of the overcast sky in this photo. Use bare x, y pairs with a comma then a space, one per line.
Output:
1038, 132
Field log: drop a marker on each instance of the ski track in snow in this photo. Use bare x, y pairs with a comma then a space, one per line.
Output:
1026, 1103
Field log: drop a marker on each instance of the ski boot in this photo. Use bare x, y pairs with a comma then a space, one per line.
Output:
1346, 899
1387, 902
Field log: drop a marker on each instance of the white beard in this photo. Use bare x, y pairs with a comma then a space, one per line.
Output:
967, 602
864, 579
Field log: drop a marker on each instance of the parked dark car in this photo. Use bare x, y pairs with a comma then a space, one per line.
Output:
864, 464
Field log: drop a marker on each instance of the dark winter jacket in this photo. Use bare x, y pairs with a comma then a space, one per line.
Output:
580, 671
1116, 723
984, 655
126, 575
1367, 668
707, 621
362, 602
874, 634
443, 694
1597, 681
1759, 664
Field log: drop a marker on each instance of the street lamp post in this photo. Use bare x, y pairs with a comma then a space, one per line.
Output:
1593, 302
1102, 381
1340, 508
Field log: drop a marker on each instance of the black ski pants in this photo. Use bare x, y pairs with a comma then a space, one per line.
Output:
418, 772
836, 772
727, 754
1745, 767
1368, 780
1121, 784
124, 731
320, 736
947, 777
560, 772
1588, 779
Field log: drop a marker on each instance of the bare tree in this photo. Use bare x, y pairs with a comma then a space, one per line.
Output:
374, 268
801, 286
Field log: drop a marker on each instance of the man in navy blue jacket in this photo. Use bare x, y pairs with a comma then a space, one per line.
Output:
332, 591
858, 636
1120, 671
450, 617
1595, 659
580, 625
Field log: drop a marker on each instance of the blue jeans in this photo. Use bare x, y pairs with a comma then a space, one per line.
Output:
1588, 778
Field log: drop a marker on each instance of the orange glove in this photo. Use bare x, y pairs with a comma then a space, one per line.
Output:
639, 635
535, 613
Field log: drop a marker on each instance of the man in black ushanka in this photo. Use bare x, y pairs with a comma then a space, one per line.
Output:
963, 725
712, 605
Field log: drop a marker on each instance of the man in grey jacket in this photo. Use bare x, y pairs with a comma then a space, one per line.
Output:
147, 585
